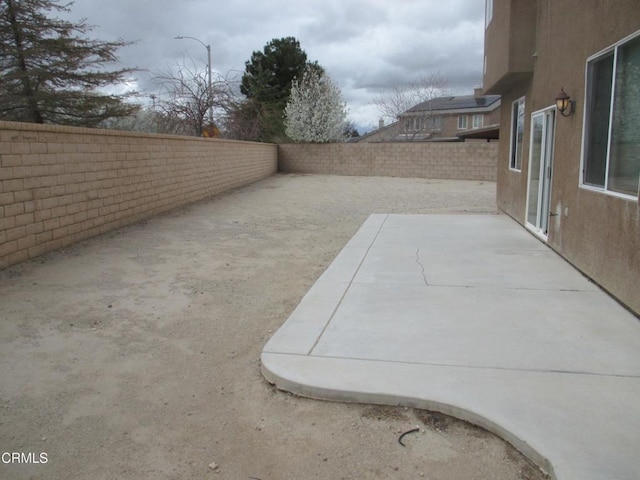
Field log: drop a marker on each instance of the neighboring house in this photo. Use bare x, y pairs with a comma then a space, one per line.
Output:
572, 178
444, 119
384, 133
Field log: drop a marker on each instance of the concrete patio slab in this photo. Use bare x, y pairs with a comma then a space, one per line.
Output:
472, 316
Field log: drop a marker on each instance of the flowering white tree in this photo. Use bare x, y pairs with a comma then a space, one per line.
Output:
316, 110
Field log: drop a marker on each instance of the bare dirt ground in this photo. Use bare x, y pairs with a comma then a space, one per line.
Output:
135, 355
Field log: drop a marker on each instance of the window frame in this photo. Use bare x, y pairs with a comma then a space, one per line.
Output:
409, 124
585, 120
465, 122
513, 152
480, 118
435, 123
488, 12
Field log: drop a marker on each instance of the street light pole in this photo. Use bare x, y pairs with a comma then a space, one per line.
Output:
208, 47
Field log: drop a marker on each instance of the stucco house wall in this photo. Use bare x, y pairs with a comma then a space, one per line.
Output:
597, 231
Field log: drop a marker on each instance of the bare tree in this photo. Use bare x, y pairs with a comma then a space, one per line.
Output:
246, 120
396, 102
144, 120
392, 102
185, 100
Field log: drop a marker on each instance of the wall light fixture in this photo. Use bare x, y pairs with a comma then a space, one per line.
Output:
564, 104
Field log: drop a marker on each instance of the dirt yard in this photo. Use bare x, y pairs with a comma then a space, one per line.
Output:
135, 355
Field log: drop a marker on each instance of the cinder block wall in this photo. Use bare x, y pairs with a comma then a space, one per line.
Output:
457, 161
60, 185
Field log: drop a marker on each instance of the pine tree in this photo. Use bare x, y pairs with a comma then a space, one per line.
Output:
50, 72
267, 83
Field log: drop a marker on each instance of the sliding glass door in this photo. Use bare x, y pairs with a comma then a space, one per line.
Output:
540, 170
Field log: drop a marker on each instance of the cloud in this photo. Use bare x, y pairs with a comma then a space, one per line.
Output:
366, 45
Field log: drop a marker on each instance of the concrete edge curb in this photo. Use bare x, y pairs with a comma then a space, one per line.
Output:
308, 389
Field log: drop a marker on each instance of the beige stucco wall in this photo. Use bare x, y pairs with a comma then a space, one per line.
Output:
459, 160
60, 185
509, 43
597, 232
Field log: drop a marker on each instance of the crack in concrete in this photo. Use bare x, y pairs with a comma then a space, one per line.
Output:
424, 276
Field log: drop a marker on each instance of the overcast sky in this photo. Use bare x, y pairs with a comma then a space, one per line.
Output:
365, 45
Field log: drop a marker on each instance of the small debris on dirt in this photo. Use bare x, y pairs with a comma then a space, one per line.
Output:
413, 430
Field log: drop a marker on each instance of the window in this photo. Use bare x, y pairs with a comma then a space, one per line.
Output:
611, 148
477, 121
488, 12
409, 125
517, 134
462, 122
414, 124
436, 123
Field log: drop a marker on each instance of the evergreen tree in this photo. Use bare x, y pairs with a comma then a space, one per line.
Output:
50, 72
267, 83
